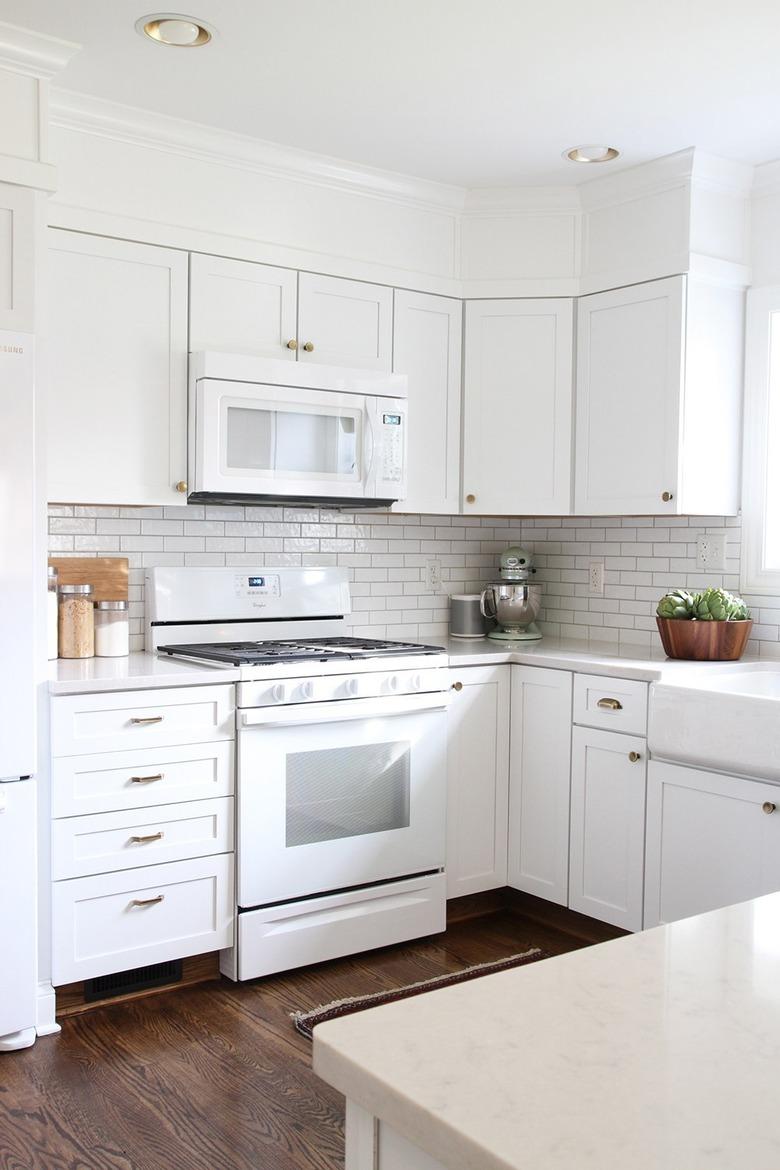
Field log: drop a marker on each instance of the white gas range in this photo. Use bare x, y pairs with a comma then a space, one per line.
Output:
341, 772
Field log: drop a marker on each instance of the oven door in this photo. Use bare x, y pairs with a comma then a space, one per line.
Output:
342, 794
253, 439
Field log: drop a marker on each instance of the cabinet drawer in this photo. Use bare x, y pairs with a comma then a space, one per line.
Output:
615, 704
118, 921
130, 839
127, 780
121, 721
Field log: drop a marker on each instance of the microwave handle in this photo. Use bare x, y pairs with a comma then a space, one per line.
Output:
369, 440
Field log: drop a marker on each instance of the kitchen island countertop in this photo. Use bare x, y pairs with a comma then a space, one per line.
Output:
657, 1051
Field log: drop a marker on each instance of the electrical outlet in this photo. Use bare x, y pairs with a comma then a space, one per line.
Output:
711, 551
596, 578
432, 574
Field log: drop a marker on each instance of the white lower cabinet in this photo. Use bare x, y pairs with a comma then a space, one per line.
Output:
606, 853
539, 782
477, 779
711, 841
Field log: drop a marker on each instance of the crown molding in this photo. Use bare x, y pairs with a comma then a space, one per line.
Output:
34, 54
766, 179
647, 178
86, 114
521, 200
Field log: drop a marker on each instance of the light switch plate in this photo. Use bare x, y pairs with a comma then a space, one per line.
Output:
711, 551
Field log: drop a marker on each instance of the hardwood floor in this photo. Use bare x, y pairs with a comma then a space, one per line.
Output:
214, 1077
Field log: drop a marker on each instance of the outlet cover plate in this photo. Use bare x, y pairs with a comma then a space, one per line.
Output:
711, 552
595, 578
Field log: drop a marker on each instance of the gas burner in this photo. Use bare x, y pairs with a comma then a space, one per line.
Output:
294, 650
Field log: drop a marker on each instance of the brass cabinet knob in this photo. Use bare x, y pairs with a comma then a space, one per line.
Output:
768, 807
309, 347
457, 686
292, 343
634, 757
666, 497
610, 704
181, 486
471, 499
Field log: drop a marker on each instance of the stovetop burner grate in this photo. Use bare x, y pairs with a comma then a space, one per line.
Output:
295, 650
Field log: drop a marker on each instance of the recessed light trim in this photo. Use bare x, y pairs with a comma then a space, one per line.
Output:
175, 30
591, 153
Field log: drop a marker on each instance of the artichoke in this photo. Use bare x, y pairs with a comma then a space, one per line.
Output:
677, 604
717, 605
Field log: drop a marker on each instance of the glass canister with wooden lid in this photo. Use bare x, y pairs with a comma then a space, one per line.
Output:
76, 621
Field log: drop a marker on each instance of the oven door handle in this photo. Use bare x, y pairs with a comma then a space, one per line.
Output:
347, 710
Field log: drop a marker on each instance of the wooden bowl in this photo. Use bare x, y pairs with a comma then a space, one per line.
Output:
704, 641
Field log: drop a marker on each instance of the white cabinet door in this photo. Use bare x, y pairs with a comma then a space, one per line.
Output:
606, 854
345, 322
540, 762
17, 257
239, 307
630, 354
117, 361
518, 407
427, 348
477, 779
711, 841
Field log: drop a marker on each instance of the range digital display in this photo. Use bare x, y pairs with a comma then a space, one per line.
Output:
256, 582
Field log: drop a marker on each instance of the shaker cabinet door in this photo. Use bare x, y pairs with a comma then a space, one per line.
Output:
427, 348
117, 362
240, 307
344, 322
518, 404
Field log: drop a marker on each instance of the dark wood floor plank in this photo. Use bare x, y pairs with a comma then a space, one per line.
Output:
214, 1077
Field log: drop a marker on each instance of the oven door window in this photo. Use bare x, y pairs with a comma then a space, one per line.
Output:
347, 792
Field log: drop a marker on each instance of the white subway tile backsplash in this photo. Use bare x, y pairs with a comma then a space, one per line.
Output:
385, 556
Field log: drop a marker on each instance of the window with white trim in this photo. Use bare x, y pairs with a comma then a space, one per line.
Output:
761, 471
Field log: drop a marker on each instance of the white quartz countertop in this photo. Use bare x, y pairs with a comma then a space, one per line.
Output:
138, 671
69, 676
658, 1051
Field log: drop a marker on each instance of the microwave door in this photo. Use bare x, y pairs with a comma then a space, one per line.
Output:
260, 440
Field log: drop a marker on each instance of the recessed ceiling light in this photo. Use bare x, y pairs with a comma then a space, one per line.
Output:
169, 28
591, 153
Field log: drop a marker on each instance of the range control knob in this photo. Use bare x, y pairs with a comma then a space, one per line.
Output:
352, 687
278, 693
415, 682
307, 689
393, 683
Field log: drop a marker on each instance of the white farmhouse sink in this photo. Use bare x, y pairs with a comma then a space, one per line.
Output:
725, 717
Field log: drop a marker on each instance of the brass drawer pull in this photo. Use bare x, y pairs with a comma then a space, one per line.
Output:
768, 806
147, 901
147, 840
634, 757
146, 779
457, 686
292, 343
309, 347
143, 720
610, 704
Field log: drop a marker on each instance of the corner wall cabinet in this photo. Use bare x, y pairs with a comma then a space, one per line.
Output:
477, 779
427, 348
518, 402
659, 389
711, 841
117, 363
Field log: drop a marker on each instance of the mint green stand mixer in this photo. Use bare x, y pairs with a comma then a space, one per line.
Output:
513, 602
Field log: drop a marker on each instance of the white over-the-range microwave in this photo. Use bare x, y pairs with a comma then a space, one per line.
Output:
267, 430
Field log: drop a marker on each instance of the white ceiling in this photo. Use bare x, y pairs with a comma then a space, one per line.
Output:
473, 92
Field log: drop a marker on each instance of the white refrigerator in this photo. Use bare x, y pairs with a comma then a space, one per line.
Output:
18, 586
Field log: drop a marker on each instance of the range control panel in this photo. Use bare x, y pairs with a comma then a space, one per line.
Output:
257, 587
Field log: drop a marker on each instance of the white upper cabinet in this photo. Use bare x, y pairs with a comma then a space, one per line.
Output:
345, 322
240, 307
427, 348
17, 260
517, 432
658, 399
117, 362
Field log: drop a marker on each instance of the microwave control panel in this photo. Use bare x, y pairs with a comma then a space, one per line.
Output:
393, 439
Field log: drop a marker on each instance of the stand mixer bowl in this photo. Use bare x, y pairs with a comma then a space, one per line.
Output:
513, 604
